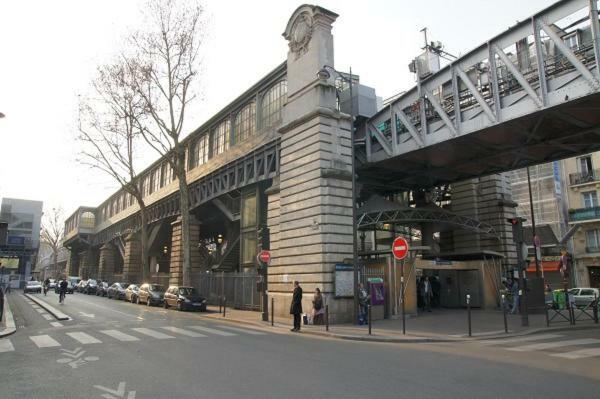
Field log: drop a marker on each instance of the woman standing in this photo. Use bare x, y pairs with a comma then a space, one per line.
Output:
318, 308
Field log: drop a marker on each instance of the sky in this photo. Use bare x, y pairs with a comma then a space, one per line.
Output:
49, 51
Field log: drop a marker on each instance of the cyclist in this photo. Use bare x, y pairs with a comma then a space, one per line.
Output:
62, 291
46, 285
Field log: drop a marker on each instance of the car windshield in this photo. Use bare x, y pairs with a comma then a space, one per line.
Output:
187, 291
155, 287
33, 282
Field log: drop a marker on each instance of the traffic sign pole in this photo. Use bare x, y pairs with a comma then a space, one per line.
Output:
399, 251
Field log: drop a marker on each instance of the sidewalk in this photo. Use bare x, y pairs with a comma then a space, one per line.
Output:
446, 325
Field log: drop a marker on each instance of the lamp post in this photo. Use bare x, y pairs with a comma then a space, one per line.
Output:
324, 74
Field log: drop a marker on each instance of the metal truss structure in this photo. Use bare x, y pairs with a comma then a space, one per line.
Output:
414, 216
529, 95
259, 165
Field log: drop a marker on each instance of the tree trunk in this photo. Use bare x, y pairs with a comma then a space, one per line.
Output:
55, 256
144, 241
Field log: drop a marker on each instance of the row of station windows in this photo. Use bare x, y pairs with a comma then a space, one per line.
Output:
246, 122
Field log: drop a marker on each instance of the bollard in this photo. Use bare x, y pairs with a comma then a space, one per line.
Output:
326, 317
403, 308
369, 310
504, 313
595, 309
220, 304
469, 312
272, 311
224, 305
547, 316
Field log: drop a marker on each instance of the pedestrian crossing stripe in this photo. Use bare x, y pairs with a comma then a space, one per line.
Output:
212, 331
527, 338
83, 338
152, 333
243, 331
44, 341
46, 316
56, 324
120, 336
181, 331
579, 354
555, 344
6, 345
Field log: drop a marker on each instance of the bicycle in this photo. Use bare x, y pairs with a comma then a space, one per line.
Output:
61, 297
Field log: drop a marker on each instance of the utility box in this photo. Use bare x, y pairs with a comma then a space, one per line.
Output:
364, 104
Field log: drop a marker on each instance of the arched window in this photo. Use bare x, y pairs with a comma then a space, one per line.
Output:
87, 220
245, 123
272, 102
220, 137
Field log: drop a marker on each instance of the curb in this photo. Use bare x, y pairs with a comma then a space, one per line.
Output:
9, 321
415, 339
58, 315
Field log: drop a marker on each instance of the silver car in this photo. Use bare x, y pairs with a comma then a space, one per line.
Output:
583, 296
33, 286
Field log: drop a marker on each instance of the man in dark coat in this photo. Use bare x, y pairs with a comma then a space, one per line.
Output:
296, 307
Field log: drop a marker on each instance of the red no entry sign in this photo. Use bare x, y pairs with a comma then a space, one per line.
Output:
265, 257
400, 248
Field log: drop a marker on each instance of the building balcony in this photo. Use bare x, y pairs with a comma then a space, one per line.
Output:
584, 214
584, 177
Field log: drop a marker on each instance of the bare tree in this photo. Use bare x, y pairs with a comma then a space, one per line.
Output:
110, 137
164, 67
53, 233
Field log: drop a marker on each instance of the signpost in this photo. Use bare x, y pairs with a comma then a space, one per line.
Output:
264, 258
400, 250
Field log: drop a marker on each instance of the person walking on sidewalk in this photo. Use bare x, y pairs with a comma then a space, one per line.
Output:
514, 290
296, 307
318, 309
427, 294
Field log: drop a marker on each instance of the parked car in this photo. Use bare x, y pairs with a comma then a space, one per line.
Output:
583, 296
151, 294
33, 286
90, 287
52, 284
80, 286
131, 293
102, 288
116, 291
184, 298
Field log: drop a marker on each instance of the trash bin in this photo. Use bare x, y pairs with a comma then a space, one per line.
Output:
560, 301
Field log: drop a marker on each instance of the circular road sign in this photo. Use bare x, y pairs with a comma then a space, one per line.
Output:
400, 248
265, 257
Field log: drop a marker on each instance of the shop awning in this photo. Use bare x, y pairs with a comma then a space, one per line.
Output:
545, 265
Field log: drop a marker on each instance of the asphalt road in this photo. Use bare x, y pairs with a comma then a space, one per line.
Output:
122, 350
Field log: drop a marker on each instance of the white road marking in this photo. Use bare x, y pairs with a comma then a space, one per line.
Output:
56, 324
243, 331
212, 331
46, 316
36, 306
84, 338
119, 335
181, 331
40, 310
44, 341
6, 345
556, 344
152, 333
520, 339
579, 354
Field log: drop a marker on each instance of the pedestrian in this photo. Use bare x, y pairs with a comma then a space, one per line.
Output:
427, 294
296, 306
363, 305
318, 308
514, 290
436, 288
1, 302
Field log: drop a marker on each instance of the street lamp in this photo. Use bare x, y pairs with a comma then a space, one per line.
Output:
324, 74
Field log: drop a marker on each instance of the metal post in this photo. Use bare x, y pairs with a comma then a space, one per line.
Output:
402, 298
326, 317
547, 316
354, 241
537, 262
595, 309
220, 304
272, 311
369, 310
504, 313
469, 312
224, 305
522, 290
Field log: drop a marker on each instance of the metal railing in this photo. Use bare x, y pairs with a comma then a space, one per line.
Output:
240, 289
581, 214
584, 177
